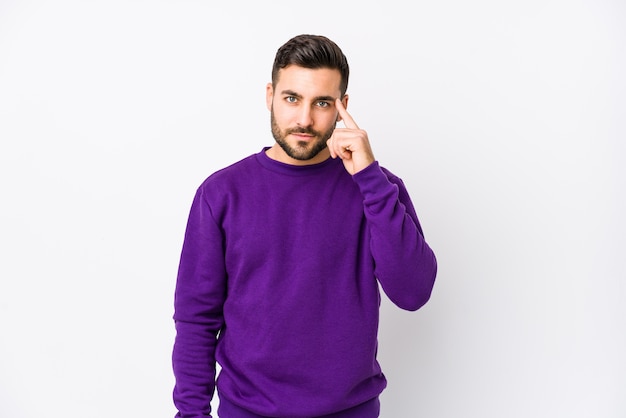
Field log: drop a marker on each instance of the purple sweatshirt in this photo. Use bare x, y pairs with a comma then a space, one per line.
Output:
278, 283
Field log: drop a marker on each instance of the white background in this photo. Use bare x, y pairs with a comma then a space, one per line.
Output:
505, 120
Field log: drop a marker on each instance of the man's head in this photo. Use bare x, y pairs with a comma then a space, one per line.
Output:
310, 72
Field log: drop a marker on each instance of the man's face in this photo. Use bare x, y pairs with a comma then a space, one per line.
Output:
303, 112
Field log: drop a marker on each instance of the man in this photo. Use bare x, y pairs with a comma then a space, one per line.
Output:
283, 253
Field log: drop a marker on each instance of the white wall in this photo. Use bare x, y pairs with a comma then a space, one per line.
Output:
505, 119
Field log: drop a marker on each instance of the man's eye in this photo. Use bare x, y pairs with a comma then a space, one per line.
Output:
323, 104
291, 99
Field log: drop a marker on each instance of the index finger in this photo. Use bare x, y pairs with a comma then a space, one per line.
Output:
345, 116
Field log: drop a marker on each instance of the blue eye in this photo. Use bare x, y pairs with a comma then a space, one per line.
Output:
323, 104
291, 99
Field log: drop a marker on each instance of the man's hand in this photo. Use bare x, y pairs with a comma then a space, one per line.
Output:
350, 143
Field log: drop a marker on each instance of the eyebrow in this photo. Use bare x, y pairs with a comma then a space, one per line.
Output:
299, 96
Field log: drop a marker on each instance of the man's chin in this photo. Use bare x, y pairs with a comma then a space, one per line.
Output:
301, 151
302, 156
307, 151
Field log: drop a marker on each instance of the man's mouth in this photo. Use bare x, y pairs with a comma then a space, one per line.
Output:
304, 136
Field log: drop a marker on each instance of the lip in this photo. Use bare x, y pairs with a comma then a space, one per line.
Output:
302, 136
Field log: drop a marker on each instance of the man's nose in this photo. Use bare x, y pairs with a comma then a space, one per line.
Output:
304, 117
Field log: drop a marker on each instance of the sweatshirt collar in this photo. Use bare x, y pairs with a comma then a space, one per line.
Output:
290, 169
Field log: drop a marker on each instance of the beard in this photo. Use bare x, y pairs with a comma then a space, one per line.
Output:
301, 150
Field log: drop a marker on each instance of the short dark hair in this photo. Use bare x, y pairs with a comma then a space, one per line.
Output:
312, 51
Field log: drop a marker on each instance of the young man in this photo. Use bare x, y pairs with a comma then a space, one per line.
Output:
283, 253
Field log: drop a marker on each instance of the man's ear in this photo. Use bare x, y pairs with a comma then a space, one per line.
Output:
269, 96
344, 101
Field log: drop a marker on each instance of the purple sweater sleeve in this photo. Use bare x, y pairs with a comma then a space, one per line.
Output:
404, 263
199, 297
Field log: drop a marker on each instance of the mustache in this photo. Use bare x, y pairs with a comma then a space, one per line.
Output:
302, 131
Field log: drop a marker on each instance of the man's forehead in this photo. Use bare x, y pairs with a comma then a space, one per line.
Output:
324, 81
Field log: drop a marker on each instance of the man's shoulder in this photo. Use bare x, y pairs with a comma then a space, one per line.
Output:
232, 172
391, 176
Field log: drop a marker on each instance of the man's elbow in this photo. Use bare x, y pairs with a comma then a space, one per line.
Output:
413, 299
413, 302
